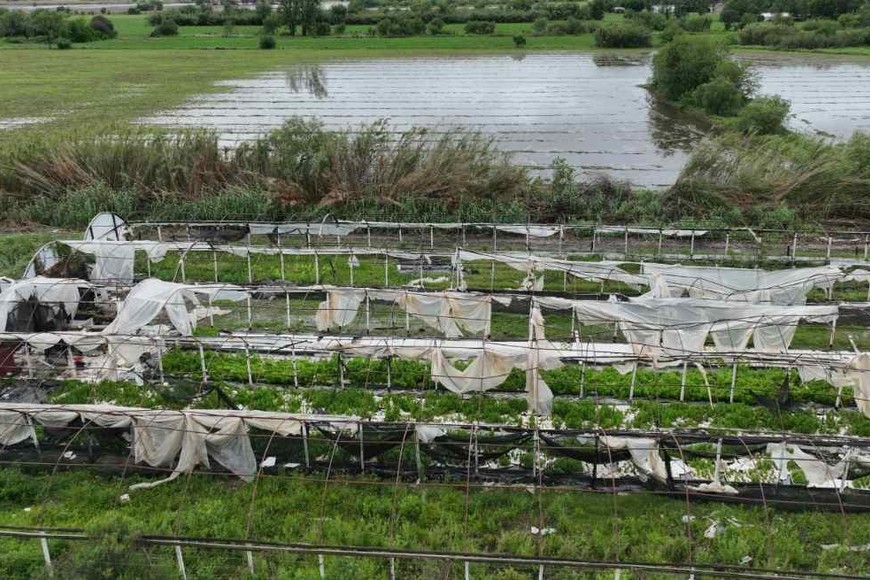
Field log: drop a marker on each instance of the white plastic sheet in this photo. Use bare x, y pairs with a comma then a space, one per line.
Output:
743, 284
50, 291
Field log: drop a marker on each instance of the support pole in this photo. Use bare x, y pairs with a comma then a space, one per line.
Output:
683, 382
625, 249
305, 445
386, 270
248, 365
202, 364
794, 241
633, 381
316, 269
214, 264
362, 456
287, 308
322, 565
281, 260
180, 559
727, 243
828, 252
250, 310
692, 246
733, 381
431, 237
293, 362
46, 555
659, 248
833, 332
181, 260
250, 557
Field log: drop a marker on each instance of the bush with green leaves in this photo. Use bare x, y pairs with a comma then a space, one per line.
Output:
697, 23
480, 27
623, 35
166, 27
763, 116
267, 42
435, 27
652, 20
103, 27
519, 41
63, 44
395, 26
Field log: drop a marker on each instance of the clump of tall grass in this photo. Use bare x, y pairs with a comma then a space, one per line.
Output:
300, 165
813, 177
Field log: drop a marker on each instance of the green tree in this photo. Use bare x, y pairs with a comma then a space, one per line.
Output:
685, 64
301, 14
48, 24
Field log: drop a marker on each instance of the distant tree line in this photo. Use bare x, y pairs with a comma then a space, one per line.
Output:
55, 27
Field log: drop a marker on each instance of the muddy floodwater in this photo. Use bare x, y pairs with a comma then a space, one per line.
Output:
590, 109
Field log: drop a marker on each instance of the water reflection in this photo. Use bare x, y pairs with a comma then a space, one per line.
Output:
589, 109
307, 78
673, 130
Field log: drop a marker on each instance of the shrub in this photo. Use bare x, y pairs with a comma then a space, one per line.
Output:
267, 42
697, 23
339, 28
718, 97
624, 35
557, 29
322, 28
480, 27
763, 116
652, 20
671, 31
77, 30
395, 26
596, 9
539, 26
685, 64
167, 27
271, 24
103, 27
64, 43
435, 26
575, 26
519, 41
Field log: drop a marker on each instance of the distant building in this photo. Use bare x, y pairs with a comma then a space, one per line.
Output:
768, 16
664, 8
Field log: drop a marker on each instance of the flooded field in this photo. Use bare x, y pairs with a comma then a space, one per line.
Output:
592, 110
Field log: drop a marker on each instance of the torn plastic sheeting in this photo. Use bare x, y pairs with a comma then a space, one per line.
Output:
673, 233
644, 454
744, 284
113, 261
325, 228
106, 226
449, 312
595, 271
151, 297
530, 230
674, 326
817, 472
53, 292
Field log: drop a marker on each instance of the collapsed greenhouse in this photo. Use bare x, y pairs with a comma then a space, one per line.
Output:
489, 353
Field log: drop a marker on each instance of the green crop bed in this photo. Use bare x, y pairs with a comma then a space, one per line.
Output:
371, 512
